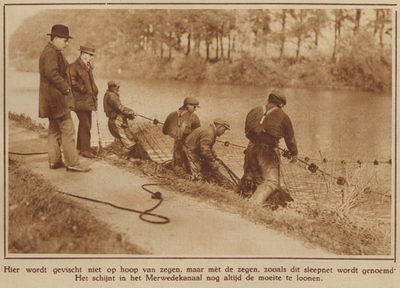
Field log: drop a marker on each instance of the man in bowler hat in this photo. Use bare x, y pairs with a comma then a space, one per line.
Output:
56, 102
85, 93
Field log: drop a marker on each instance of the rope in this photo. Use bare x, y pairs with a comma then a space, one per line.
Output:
31, 153
156, 195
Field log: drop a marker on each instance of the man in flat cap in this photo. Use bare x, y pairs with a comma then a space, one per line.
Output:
178, 125
118, 125
85, 93
203, 159
56, 101
265, 126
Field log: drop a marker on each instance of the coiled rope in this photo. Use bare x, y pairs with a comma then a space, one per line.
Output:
155, 195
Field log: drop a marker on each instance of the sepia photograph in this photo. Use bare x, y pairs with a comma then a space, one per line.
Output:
197, 144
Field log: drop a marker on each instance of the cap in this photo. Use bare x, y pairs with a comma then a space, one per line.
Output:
278, 95
113, 83
222, 122
192, 101
87, 49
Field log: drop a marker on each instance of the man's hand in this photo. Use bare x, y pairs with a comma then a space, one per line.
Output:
294, 159
131, 115
258, 130
214, 166
69, 98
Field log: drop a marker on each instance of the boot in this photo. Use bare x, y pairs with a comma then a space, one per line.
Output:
261, 195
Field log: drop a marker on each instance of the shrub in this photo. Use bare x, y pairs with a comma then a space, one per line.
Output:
364, 64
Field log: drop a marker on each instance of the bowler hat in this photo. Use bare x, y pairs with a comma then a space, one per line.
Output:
222, 122
87, 49
113, 83
60, 31
192, 101
277, 95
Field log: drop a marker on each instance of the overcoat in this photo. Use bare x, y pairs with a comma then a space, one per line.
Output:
84, 88
55, 95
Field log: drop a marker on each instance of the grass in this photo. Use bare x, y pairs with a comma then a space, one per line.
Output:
323, 226
43, 221
26, 122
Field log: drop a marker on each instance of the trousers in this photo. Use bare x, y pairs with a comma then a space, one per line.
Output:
85, 125
262, 161
61, 133
119, 128
179, 157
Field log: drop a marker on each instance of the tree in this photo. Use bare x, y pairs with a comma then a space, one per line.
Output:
339, 18
260, 21
382, 18
300, 28
281, 17
194, 27
318, 20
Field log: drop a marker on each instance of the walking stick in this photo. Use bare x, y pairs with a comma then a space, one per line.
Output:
98, 133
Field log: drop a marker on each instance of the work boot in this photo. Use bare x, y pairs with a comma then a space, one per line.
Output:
261, 195
78, 168
179, 171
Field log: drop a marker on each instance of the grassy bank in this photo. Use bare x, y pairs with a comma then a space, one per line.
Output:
26, 122
42, 221
324, 228
321, 226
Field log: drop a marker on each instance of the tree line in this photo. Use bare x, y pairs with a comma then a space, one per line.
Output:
280, 47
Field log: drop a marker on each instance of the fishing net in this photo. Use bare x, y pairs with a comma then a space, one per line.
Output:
309, 181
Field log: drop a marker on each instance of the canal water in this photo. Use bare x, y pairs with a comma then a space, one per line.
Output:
333, 124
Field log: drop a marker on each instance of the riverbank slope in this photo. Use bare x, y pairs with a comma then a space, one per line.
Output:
195, 228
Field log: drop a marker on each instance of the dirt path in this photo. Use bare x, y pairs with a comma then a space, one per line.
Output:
196, 229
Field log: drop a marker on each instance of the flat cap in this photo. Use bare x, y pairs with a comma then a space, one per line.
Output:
191, 101
113, 83
277, 95
222, 122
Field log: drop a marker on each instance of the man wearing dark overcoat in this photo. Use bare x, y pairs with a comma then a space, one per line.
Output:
85, 93
56, 102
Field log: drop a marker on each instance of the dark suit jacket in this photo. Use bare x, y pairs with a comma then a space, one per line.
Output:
55, 96
84, 88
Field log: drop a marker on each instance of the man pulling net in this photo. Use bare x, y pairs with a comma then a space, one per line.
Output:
265, 126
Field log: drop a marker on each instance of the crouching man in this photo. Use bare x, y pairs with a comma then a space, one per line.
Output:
118, 126
203, 160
